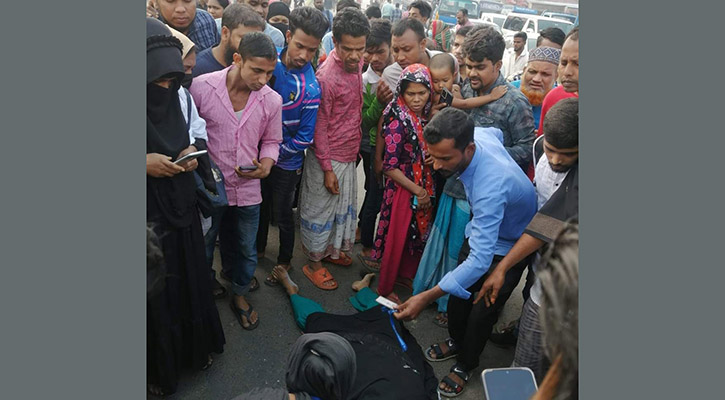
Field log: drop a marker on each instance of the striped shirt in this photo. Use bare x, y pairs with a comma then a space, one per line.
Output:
300, 100
235, 142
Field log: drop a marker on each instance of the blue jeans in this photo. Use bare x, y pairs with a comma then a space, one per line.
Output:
237, 230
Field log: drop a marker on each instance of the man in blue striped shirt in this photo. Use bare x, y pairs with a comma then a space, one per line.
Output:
198, 25
294, 80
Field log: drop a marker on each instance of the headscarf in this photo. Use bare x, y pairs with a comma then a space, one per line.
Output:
323, 365
166, 131
442, 35
187, 46
279, 8
398, 110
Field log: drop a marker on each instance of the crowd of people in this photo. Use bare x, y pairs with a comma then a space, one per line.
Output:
470, 159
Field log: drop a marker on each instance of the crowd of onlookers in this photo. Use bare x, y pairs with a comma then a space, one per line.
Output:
470, 159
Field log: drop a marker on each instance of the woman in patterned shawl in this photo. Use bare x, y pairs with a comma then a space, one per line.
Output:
407, 199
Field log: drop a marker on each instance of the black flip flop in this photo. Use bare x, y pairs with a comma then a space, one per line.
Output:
239, 313
365, 265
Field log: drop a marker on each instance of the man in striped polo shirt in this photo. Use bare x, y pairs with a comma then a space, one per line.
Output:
294, 80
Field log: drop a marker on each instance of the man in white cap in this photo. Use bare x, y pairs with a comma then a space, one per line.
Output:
539, 77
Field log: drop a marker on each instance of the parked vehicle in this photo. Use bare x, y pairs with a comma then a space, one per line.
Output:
487, 6
516, 22
497, 19
569, 17
447, 10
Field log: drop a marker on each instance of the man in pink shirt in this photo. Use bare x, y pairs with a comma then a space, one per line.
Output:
462, 19
328, 193
244, 124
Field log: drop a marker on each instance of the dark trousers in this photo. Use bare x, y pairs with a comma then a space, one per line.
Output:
371, 205
471, 325
278, 196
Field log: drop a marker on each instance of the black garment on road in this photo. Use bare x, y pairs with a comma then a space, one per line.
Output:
384, 371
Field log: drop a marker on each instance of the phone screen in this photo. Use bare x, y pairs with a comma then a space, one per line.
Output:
446, 97
508, 383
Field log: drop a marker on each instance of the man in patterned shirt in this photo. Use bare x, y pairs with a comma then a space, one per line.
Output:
197, 25
483, 48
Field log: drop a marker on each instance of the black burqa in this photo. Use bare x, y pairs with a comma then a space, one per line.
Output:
183, 325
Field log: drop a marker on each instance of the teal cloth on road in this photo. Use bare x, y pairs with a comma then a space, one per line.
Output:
302, 307
364, 299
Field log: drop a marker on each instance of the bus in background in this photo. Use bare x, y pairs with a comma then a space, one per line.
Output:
447, 10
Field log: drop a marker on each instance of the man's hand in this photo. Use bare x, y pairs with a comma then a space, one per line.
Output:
260, 173
412, 307
428, 160
191, 164
160, 166
378, 169
490, 288
331, 183
437, 107
424, 201
383, 93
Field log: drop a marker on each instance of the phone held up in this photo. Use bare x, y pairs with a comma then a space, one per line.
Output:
446, 97
515, 383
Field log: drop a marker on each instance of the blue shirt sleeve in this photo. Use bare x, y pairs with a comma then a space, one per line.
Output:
306, 131
488, 212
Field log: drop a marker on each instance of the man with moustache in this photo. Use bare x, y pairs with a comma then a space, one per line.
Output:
503, 201
484, 48
458, 51
328, 193
539, 77
182, 15
237, 20
568, 73
261, 7
294, 80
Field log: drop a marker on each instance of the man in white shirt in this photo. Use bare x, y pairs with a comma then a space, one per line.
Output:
515, 61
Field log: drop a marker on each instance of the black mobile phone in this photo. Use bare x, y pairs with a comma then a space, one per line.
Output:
446, 97
508, 383
247, 167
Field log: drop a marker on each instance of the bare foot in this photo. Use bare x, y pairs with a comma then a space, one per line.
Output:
281, 276
363, 283
270, 279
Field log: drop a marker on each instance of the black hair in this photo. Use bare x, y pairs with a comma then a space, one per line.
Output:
241, 14
573, 34
350, 21
373, 12
409, 23
311, 20
561, 125
443, 60
450, 123
257, 44
521, 35
379, 33
223, 3
463, 11
463, 31
553, 34
483, 42
422, 6
342, 4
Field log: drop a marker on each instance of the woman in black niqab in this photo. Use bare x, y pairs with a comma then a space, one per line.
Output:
183, 325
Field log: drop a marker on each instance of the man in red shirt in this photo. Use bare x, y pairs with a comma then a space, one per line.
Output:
568, 73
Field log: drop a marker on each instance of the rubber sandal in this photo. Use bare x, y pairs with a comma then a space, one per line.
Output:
270, 281
345, 262
239, 313
210, 361
457, 389
440, 355
254, 284
439, 322
319, 277
365, 259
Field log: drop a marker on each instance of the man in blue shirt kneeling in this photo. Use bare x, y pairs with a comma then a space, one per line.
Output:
503, 202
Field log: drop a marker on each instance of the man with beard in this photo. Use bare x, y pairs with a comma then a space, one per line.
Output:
294, 80
458, 51
483, 48
539, 77
516, 58
568, 72
182, 15
237, 20
557, 190
462, 19
503, 201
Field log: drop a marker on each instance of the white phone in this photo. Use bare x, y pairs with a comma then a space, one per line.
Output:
190, 156
515, 383
387, 303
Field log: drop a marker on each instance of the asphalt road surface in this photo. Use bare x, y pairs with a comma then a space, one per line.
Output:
258, 358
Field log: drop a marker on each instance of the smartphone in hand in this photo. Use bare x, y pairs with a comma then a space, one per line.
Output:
247, 167
446, 97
